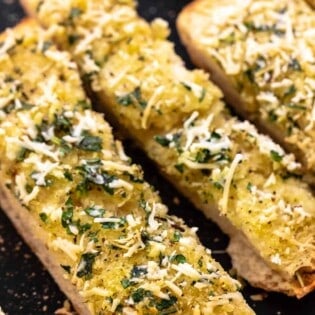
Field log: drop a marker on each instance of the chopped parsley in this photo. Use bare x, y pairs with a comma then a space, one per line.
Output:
179, 167
203, 156
66, 268
67, 213
43, 216
249, 187
74, 13
177, 236
164, 304
90, 143
290, 91
295, 65
86, 265
133, 98
138, 271
140, 294
276, 156
126, 283
94, 212
22, 154
67, 175
180, 259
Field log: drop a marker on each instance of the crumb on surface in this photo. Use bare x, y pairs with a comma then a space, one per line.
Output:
259, 297
176, 201
66, 309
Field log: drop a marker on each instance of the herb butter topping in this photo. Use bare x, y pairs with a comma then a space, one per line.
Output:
113, 236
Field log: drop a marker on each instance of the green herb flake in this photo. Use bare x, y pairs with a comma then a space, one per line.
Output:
164, 304
125, 283
186, 86
295, 106
22, 154
203, 156
180, 167
62, 123
180, 259
72, 39
215, 135
163, 140
85, 266
138, 271
290, 91
272, 116
177, 236
218, 185
94, 212
90, 143
133, 98
230, 39
67, 175
67, 213
140, 294
46, 45
74, 13
276, 156
43, 216
295, 65
202, 95
84, 104
66, 268
249, 187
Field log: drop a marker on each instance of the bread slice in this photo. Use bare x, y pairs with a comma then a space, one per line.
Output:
261, 55
238, 177
81, 205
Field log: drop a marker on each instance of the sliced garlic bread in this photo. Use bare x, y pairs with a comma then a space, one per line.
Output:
261, 53
238, 177
84, 209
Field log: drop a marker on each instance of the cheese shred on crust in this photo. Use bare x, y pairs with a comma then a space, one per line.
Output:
113, 238
178, 117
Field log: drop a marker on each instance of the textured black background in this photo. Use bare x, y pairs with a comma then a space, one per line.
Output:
27, 289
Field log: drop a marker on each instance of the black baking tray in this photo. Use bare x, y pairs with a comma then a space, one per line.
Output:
26, 288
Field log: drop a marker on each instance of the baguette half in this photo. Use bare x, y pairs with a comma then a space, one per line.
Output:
84, 209
238, 177
261, 54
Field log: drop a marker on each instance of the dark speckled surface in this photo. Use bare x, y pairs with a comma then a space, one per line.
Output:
27, 289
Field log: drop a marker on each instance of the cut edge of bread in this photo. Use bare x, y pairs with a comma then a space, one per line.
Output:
244, 257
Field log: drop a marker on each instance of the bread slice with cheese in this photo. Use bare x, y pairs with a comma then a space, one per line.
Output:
238, 177
261, 53
84, 209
